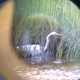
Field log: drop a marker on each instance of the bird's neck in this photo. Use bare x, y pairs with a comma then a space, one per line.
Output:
46, 45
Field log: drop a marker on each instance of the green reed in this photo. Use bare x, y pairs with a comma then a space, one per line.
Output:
62, 13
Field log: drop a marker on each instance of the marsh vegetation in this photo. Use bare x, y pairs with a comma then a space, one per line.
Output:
40, 17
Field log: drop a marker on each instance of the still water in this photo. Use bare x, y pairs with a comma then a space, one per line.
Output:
51, 70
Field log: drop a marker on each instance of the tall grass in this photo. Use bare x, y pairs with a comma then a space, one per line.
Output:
62, 13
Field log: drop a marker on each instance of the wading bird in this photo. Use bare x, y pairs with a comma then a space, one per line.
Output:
35, 49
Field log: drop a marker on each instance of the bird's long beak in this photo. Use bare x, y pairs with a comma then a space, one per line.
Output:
59, 34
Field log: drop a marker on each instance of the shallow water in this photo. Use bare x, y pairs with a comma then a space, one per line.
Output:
52, 70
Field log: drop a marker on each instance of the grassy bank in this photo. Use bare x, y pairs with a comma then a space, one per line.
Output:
44, 16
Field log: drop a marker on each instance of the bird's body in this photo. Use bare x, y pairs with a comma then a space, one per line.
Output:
35, 49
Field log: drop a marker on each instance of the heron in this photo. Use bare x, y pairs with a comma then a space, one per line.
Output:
35, 49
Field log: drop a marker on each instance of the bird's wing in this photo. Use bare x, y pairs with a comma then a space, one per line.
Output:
33, 49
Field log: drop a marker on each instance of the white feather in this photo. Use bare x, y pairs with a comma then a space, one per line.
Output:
35, 48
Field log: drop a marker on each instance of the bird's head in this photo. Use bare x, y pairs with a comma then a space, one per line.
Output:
53, 34
53, 39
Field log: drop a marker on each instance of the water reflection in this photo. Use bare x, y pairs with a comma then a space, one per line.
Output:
51, 70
